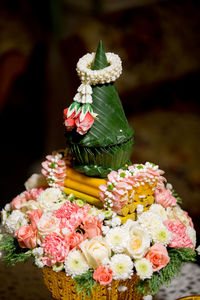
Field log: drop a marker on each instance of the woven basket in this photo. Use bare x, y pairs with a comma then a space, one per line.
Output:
62, 287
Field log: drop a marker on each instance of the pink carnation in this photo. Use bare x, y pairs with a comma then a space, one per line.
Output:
158, 256
65, 213
103, 275
26, 237
17, 202
56, 248
164, 197
179, 235
92, 226
32, 194
75, 239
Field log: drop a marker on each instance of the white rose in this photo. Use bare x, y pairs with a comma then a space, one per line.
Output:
48, 224
35, 181
95, 251
139, 241
30, 205
51, 199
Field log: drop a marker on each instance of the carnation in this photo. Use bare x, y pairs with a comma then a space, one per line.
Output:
143, 268
159, 210
75, 263
191, 233
14, 221
149, 220
121, 266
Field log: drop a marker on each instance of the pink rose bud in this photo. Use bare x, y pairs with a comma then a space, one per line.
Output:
85, 125
70, 121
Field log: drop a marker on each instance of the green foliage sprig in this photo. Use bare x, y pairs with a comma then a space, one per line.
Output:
12, 252
164, 276
85, 283
178, 199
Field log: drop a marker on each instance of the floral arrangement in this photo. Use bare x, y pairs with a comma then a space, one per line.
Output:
92, 245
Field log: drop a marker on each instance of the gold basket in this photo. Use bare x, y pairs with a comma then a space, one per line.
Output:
62, 287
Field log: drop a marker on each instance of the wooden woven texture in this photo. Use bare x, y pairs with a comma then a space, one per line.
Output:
62, 287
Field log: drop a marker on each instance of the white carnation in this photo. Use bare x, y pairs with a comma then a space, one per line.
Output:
14, 221
149, 220
51, 199
38, 254
122, 266
159, 210
117, 239
192, 235
143, 268
75, 263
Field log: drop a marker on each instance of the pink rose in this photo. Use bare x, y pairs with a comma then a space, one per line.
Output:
70, 121
158, 256
103, 275
34, 216
84, 126
164, 197
92, 226
56, 248
17, 202
179, 235
26, 237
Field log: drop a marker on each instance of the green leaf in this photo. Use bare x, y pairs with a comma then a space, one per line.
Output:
100, 60
178, 199
85, 283
12, 252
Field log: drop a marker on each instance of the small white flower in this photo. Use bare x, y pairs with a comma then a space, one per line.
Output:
75, 263
38, 254
169, 186
148, 297
7, 207
192, 234
58, 267
105, 229
159, 210
143, 268
49, 199
149, 220
117, 239
161, 235
116, 221
122, 266
122, 288
198, 250
140, 208
14, 221
101, 216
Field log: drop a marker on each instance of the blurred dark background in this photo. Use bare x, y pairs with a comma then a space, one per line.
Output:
158, 41
40, 44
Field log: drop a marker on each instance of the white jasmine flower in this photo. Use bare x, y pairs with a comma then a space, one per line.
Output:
169, 186
105, 229
35, 181
140, 208
101, 216
117, 239
122, 288
7, 207
143, 268
198, 250
75, 263
161, 235
38, 254
139, 241
192, 234
58, 267
116, 221
122, 266
147, 297
51, 199
159, 210
14, 221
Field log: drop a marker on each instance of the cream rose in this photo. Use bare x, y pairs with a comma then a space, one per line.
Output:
95, 251
51, 199
48, 224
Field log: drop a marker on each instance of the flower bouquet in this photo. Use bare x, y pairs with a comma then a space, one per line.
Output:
98, 226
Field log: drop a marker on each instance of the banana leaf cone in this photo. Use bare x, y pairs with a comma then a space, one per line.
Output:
109, 142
